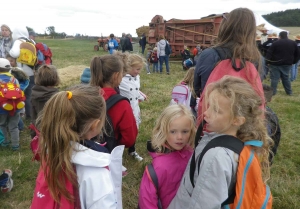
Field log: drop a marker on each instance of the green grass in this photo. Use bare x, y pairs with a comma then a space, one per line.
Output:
285, 178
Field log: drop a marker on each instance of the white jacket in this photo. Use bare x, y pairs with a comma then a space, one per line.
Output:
130, 88
99, 177
18, 33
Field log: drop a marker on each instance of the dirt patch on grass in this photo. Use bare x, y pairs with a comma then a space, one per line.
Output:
70, 75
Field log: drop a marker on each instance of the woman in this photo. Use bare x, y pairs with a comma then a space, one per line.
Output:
161, 53
5, 41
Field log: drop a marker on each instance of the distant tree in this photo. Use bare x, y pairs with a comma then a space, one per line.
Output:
287, 18
51, 30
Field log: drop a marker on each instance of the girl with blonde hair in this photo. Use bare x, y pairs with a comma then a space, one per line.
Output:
75, 171
130, 88
233, 108
171, 148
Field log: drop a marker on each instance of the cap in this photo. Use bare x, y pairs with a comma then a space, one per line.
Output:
4, 63
32, 33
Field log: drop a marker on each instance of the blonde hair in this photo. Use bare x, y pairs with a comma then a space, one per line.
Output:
136, 60
124, 57
103, 67
62, 121
189, 80
47, 76
160, 37
244, 102
6, 26
162, 126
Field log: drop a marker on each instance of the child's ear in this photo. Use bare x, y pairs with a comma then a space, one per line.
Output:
95, 124
238, 121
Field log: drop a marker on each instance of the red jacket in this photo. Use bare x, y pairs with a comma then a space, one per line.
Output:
122, 118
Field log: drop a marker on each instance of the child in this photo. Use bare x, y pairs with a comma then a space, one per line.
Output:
46, 82
273, 126
6, 41
233, 109
154, 60
171, 149
148, 59
74, 169
185, 54
107, 72
130, 88
7, 120
6, 182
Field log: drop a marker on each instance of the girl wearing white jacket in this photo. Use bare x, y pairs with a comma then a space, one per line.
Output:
76, 172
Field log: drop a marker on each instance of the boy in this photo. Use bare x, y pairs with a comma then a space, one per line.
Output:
272, 121
7, 120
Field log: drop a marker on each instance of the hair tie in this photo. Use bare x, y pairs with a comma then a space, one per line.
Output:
69, 95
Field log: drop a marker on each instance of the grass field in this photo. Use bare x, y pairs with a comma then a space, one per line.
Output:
71, 56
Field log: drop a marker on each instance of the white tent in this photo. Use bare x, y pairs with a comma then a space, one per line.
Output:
271, 28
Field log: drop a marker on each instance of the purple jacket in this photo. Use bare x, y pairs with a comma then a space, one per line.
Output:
169, 169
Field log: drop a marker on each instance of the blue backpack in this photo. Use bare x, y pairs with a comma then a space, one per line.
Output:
168, 49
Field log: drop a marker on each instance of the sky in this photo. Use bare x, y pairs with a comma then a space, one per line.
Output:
96, 18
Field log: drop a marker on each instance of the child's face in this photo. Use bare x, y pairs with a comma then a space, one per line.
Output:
12, 61
5, 32
135, 70
218, 115
179, 133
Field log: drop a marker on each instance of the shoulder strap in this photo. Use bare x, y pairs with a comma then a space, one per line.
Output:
153, 178
111, 101
225, 53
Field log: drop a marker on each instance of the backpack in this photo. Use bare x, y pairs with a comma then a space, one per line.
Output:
28, 54
111, 44
108, 137
44, 54
227, 67
153, 57
43, 199
250, 190
12, 98
168, 49
181, 95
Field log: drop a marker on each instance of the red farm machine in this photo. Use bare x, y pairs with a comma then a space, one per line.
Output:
185, 32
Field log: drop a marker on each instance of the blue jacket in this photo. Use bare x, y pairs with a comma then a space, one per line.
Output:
85, 76
112, 45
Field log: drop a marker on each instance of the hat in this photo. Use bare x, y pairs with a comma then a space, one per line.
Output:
297, 37
270, 35
4, 63
258, 38
32, 33
274, 35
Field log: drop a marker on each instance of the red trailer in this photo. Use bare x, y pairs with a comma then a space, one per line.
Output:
185, 32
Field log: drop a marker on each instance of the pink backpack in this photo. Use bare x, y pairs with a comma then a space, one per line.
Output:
43, 199
180, 95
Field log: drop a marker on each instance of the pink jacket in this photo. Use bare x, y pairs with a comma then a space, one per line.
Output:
169, 169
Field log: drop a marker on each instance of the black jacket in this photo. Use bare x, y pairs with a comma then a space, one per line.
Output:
143, 41
127, 45
283, 52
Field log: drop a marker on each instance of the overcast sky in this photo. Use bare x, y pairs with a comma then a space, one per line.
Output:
91, 17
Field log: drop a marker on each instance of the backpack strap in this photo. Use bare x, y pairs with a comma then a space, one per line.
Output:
111, 101
153, 178
225, 53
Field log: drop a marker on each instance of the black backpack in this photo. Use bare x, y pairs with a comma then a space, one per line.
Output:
108, 136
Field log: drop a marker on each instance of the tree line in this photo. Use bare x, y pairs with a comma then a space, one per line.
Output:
287, 18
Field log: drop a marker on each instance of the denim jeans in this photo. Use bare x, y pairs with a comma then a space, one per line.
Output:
294, 71
148, 67
155, 67
283, 72
10, 122
143, 49
163, 59
21, 124
27, 93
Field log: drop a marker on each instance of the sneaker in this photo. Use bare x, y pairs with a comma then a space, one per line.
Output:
136, 156
5, 144
15, 148
7, 174
148, 73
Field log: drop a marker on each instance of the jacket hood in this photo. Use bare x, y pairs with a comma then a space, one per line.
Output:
19, 32
162, 42
88, 157
42, 93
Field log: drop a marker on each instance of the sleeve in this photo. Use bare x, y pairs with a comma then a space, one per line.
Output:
24, 85
158, 49
296, 54
116, 44
269, 54
214, 179
205, 65
147, 194
15, 50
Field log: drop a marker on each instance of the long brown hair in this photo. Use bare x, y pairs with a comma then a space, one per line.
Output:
63, 121
238, 33
103, 68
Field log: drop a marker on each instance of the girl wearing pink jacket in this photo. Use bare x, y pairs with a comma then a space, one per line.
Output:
171, 149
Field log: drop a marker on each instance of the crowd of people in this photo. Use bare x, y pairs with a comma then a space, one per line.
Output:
79, 166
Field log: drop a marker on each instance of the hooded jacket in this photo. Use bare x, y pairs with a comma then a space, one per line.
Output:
215, 180
39, 96
18, 33
161, 45
169, 168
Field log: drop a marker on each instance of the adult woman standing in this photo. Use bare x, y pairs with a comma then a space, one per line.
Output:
161, 53
6, 41
236, 40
